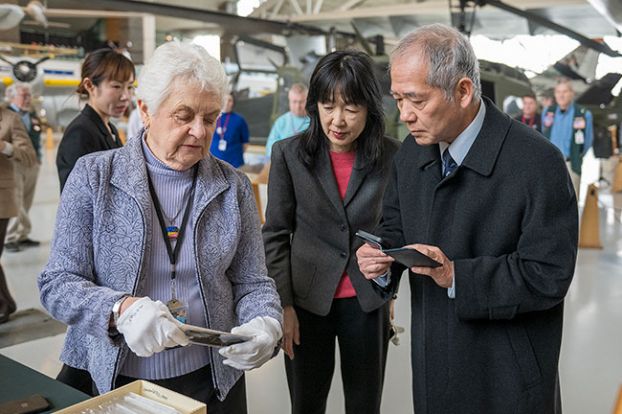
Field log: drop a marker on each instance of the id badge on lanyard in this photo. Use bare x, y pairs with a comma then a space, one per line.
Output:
221, 130
173, 233
222, 145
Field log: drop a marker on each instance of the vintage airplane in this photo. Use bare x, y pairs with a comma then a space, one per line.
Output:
52, 72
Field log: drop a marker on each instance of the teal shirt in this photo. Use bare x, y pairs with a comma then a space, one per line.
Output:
285, 126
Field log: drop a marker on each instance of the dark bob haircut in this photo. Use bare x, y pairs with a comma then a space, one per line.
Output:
105, 64
349, 74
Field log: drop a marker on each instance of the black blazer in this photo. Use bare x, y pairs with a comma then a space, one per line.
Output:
84, 135
507, 217
309, 231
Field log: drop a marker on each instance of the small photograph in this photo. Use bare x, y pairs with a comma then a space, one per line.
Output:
210, 337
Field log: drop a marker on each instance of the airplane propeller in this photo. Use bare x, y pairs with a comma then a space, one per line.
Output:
25, 70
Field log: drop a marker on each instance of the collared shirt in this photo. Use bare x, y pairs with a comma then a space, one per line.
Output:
458, 150
24, 115
233, 130
285, 126
561, 131
460, 147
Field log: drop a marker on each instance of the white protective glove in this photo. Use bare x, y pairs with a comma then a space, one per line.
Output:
265, 332
149, 327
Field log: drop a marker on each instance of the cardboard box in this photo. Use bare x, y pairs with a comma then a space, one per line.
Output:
145, 388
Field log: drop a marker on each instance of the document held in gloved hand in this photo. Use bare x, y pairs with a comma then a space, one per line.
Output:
210, 337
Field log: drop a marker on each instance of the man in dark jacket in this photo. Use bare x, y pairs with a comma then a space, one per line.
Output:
530, 115
569, 127
490, 200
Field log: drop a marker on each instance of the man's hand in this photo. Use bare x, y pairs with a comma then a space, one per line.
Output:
442, 275
291, 331
372, 262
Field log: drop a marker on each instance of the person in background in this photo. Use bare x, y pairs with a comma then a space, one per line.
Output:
231, 136
546, 100
107, 82
569, 127
489, 199
15, 148
326, 183
20, 96
292, 122
530, 115
158, 234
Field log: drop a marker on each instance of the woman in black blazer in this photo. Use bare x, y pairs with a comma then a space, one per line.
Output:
107, 83
325, 184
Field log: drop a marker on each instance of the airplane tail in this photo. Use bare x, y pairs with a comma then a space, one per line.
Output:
579, 66
599, 92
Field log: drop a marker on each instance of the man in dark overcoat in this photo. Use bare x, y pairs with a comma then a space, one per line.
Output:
490, 200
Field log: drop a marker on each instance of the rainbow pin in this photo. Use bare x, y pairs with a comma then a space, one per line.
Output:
172, 232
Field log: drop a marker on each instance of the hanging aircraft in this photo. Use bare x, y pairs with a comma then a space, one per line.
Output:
12, 14
243, 25
52, 72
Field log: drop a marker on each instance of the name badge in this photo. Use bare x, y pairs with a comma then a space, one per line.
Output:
222, 145
178, 310
578, 123
548, 120
579, 137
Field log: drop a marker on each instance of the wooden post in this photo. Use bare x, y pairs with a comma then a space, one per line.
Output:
255, 186
617, 177
589, 232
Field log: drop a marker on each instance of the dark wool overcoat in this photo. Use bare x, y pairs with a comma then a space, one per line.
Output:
507, 217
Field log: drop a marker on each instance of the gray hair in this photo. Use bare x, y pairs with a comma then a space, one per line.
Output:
179, 61
449, 56
564, 81
11, 91
299, 88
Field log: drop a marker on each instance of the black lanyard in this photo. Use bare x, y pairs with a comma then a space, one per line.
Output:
172, 253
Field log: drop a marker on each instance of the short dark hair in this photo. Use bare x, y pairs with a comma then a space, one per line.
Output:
350, 74
529, 95
103, 64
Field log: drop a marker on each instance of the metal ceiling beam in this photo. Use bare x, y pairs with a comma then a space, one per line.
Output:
241, 24
351, 4
586, 41
296, 6
277, 9
97, 14
429, 7
318, 6
262, 10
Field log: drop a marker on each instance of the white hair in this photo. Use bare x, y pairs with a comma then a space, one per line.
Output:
182, 61
449, 56
11, 91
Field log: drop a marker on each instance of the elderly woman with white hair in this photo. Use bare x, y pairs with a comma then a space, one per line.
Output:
159, 232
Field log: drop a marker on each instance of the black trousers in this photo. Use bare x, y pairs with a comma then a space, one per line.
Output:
363, 341
78, 379
199, 386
